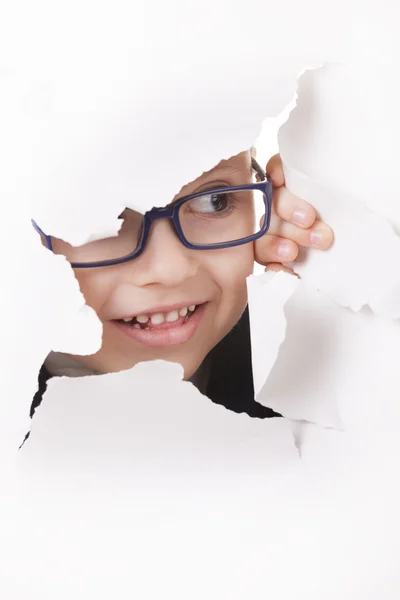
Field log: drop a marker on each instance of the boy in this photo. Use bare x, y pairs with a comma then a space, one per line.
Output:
177, 290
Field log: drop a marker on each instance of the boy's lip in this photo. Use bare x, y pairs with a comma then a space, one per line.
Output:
160, 309
174, 335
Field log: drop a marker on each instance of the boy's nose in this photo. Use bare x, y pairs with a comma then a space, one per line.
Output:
165, 260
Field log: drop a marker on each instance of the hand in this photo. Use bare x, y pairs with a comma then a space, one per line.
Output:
294, 223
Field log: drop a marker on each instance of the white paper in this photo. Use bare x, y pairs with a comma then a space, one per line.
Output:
201, 500
339, 105
304, 383
151, 473
83, 137
267, 295
352, 185
162, 427
93, 122
361, 268
133, 484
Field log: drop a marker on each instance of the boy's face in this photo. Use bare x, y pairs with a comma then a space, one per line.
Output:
166, 279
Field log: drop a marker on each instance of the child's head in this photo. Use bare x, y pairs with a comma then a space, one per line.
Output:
167, 279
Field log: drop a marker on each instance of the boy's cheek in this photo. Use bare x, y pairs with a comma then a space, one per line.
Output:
230, 267
229, 270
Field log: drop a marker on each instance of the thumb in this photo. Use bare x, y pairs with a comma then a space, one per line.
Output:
274, 170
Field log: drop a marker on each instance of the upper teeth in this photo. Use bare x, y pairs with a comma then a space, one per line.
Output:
158, 318
142, 318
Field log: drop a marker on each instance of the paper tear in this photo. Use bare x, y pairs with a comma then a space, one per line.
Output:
307, 360
73, 325
267, 295
327, 503
42, 308
337, 106
91, 129
361, 268
325, 164
148, 421
92, 155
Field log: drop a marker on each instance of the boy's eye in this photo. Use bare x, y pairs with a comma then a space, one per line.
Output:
209, 203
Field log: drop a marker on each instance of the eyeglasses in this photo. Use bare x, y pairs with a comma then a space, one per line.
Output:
208, 220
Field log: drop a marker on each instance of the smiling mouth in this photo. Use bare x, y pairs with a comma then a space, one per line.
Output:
162, 330
159, 320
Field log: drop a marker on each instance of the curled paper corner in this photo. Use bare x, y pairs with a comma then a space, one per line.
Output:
267, 296
318, 142
354, 272
307, 362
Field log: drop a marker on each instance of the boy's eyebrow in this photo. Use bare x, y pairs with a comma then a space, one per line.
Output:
227, 166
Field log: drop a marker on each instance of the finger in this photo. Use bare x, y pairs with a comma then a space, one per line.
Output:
272, 249
274, 170
320, 235
279, 267
293, 209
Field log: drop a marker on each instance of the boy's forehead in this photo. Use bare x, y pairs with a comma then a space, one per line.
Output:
238, 166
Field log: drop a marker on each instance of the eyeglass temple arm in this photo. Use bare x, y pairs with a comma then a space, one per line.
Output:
46, 237
261, 174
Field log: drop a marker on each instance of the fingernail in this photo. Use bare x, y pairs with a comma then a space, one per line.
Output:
284, 250
316, 238
299, 216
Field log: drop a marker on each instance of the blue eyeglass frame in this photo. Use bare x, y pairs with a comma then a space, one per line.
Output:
171, 211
